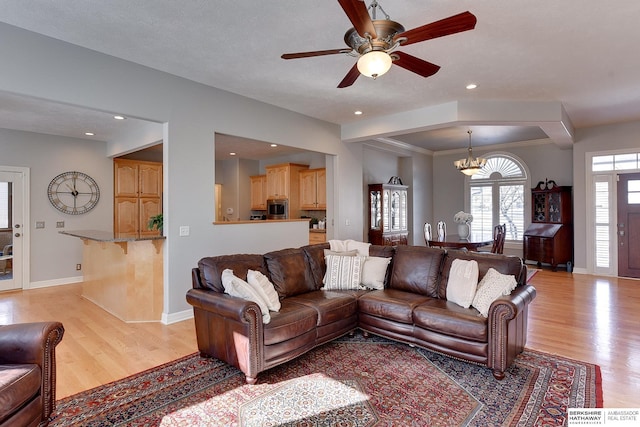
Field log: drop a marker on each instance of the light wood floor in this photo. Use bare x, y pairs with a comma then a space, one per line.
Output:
584, 317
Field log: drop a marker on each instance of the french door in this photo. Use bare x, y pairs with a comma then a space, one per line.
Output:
12, 228
629, 225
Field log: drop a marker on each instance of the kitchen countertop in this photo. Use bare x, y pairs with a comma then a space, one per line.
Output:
108, 236
260, 221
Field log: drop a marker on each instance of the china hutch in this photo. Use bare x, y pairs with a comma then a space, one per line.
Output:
388, 220
549, 238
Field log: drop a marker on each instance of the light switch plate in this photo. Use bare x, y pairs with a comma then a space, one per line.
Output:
60, 224
184, 230
39, 224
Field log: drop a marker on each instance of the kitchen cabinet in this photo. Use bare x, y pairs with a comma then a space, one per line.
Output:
313, 189
388, 220
316, 236
258, 192
283, 182
137, 196
549, 238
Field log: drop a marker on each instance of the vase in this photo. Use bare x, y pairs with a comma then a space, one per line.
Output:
464, 230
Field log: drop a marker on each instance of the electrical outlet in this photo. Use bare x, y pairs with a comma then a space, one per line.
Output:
78, 266
39, 224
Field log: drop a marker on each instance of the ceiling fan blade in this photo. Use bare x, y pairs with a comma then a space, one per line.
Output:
454, 24
358, 14
314, 53
416, 65
350, 78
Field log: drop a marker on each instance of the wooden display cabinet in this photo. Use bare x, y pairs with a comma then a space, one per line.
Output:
388, 218
549, 238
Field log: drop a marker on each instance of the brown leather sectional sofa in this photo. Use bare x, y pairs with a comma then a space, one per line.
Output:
412, 308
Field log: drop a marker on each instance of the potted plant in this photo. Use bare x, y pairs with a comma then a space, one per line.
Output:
155, 222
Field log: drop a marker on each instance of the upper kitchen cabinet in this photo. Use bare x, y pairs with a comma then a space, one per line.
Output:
137, 196
283, 182
258, 192
313, 189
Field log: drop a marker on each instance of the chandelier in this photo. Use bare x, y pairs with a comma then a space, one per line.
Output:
470, 165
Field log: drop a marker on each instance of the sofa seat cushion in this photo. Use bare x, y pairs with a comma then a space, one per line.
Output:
391, 304
19, 383
291, 321
331, 306
449, 318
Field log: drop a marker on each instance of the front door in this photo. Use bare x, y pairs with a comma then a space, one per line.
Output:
11, 229
629, 225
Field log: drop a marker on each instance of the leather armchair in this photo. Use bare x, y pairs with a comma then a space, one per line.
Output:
28, 372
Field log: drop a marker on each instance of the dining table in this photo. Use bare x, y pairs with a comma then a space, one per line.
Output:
455, 241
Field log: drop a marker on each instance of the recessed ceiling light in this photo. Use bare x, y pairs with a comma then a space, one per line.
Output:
274, 145
472, 86
357, 113
89, 133
119, 117
232, 154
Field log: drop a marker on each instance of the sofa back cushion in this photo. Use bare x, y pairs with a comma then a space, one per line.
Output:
415, 269
505, 264
211, 268
290, 272
314, 255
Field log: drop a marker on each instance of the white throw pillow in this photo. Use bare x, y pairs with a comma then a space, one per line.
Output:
236, 287
374, 272
338, 245
343, 253
265, 288
343, 272
493, 285
463, 281
361, 247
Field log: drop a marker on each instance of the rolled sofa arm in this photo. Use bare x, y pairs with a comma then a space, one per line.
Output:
223, 305
507, 325
34, 343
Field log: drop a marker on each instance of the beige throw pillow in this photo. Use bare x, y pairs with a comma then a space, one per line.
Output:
463, 281
343, 272
493, 285
236, 287
361, 247
374, 272
265, 288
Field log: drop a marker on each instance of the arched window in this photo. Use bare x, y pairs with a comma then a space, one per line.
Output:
497, 195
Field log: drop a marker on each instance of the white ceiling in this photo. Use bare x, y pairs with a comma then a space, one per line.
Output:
579, 53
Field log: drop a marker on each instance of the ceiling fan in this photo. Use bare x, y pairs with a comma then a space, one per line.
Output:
374, 41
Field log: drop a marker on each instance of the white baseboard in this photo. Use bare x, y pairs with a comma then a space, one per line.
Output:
54, 282
170, 318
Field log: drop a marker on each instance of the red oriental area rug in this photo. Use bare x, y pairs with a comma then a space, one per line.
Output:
349, 382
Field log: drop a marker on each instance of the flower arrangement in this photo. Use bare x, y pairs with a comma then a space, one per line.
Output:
463, 218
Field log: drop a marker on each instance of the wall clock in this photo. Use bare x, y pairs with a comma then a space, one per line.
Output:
73, 193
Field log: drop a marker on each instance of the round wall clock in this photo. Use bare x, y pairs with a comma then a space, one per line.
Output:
73, 193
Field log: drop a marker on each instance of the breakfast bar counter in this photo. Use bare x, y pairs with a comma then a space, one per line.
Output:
123, 274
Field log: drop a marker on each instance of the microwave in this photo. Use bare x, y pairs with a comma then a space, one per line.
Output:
277, 209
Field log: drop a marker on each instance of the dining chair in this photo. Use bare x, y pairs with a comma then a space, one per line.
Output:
499, 235
427, 232
442, 230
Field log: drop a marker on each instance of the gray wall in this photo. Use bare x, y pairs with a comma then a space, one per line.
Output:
53, 257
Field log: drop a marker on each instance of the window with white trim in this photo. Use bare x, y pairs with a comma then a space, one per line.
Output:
497, 196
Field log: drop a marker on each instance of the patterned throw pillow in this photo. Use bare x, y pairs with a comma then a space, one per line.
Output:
236, 287
343, 272
374, 272
462, 282
265, 288
493, 285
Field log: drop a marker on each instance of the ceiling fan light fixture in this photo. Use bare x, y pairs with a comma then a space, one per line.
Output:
374, 64
471, 165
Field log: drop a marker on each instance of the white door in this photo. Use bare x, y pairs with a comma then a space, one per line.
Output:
12, 227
